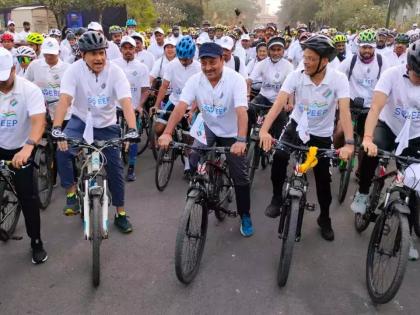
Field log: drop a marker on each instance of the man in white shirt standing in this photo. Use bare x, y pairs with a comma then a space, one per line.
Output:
220, 94
95, 85
231, 61
156, 48
22, 122
399, 55
142, 54
23, 34
138, 76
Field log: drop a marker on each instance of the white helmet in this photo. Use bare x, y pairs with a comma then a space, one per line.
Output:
25, 51
54, 32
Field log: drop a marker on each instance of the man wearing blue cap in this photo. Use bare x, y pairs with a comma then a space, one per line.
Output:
221, 96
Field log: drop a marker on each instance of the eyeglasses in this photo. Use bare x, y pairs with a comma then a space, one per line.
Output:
24, 59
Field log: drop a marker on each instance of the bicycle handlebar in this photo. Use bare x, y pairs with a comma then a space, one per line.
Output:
262, 106
403, 159
280, 144
179, 145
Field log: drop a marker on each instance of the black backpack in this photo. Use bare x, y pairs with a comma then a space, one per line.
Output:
353, 63
237, 63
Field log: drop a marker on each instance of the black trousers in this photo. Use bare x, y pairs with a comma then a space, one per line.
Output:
23, 182
321, 170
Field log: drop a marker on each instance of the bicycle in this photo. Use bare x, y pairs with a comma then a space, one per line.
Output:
346, 168
390, 237
166, 158
93, 194
10, 207
294, 196
210, 189
255, 154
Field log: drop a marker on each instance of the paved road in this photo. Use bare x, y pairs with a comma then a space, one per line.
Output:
237, 275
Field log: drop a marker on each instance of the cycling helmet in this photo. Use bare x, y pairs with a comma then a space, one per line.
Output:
185, 49
413, 57
382, 31
402, 39
131, 22
260, 44
92, 40
276, 40
340, 38
233, 34
332, 31
415, 37
322, 45
7, 37
115, 29
25, 51
80, 31
35, 38
366, 37
219, 27
70, 36
54, 32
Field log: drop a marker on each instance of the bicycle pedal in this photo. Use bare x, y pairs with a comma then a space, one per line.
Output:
310, 207
232, 214
298, 238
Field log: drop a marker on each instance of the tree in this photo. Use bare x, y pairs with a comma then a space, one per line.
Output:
168, 13
60, 8
100, 5
143, 11
293, 11
222, 11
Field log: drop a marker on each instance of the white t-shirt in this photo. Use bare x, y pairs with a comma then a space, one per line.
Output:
403, 101
113, 51
273, 76
147, 58
137, 75
97, 93
218, 105
295, 53
240, 52
16, 108
159, 67
177, 75
242, 67
48, 79
394, 60
363, 78
320, 101
21, 36
156, 50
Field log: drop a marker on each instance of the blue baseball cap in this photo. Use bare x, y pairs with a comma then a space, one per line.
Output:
212, 50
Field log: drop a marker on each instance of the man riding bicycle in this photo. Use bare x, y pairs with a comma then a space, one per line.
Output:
95, 85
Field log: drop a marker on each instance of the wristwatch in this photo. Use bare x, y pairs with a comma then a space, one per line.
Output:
241, 139
30, 142
350, 141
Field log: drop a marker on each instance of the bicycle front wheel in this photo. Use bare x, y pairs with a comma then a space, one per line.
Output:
191, 238
143, 127
253, 157
289, 237
387, 256
362, 221
164, 167
43, 176
345, 179
96, 239
9, 209
416, 216
153, 139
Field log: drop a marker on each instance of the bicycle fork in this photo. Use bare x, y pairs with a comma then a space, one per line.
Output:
95, 190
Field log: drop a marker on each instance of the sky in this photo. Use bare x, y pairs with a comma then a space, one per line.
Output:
274, 4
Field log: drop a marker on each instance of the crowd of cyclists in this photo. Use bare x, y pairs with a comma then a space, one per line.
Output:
79, 78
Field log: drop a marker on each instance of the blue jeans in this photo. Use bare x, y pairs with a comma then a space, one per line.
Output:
113, 166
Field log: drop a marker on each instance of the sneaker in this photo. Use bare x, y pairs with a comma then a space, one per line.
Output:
39, 255
131, 176
246, 226
413, 254
122, 223
273, 209
327, 232
72, 206
359, 203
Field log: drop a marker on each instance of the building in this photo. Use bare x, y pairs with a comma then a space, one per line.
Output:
264, 16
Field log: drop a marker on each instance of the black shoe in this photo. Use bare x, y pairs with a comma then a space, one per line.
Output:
39, 255
273, 209
327, 232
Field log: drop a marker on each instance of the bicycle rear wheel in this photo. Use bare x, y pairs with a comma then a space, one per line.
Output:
96, 240
43, 176
253, 157
289, 237
153, 139
416, 216
164, 167
191, 238
387, 256
143, 127
345, 179
362, 221
220, 191
9, 209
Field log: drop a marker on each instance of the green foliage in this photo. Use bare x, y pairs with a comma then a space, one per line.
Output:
143, 11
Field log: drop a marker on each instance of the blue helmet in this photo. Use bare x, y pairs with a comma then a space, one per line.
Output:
185, 49
131, 22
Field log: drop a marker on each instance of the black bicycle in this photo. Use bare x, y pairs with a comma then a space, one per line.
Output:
295, 203
255, 154
10, 207
210, 189
389, 244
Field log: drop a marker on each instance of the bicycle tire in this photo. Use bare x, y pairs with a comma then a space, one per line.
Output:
164, 167
288, 242
362, 221
416, 216
253, 157
223, 190
96, 240
265, 160
184, 235
402, 236
153, 140
42, 176
9, 216
345, 180
144, 133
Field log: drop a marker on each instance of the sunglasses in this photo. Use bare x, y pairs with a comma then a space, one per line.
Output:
24, 59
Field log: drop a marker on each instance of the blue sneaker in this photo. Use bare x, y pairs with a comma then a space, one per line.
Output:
246, 226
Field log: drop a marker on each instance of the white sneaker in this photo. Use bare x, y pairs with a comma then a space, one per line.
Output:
359, 203
413, 254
